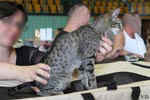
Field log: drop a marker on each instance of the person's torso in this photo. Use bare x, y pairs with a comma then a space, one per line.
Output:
135, 45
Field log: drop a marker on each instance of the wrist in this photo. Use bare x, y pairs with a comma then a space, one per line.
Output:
19, 73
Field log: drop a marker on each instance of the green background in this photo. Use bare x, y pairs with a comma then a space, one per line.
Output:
42, 21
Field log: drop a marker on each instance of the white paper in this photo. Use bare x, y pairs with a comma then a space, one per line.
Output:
49, 34
43, 35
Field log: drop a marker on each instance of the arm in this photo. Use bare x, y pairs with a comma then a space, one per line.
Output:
24, 74
109, 49
124, 53
118, 46
118, 41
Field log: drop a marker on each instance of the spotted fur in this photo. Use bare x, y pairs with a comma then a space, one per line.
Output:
77, 50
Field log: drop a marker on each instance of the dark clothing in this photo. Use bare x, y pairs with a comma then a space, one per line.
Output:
28, 56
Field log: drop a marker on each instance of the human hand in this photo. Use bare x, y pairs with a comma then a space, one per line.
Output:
114, 53
33, 73
104, 48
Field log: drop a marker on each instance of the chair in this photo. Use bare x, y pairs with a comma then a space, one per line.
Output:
29, 8
35, 2
37, 8
53, 9
19, 1
45, 9
50, 2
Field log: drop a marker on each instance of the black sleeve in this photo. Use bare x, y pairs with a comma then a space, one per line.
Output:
28, 56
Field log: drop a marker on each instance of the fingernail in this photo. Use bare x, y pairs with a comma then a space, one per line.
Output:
48, 75
37, 90
48, 67
45, 82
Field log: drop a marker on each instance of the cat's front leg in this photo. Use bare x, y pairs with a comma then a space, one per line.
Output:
56, 84
87, 74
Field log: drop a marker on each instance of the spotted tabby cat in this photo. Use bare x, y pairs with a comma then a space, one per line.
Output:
77, 50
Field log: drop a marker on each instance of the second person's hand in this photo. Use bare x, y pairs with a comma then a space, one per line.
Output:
104, 48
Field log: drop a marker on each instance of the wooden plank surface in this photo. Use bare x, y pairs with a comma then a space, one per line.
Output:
103, 69
123, 91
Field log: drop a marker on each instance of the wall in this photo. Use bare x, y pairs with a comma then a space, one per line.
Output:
42, 21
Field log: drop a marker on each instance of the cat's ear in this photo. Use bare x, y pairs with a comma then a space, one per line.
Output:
115, 13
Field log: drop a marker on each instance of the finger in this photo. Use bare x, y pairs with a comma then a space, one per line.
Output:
44, 66
98, 53
107, 47
43, 73
136, 55
106, 34
36, 89
113, 54
99, 57
139, 56
41, 80
108, 41
102, 51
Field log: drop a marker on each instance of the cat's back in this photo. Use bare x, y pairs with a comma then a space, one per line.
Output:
86, 32
64, 49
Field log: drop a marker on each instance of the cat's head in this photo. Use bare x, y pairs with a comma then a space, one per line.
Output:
108, 24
